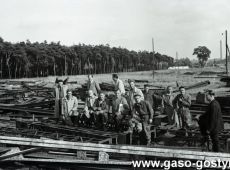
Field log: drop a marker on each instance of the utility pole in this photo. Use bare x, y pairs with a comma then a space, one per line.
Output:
65, 66
220, 49
177, 61
177, 69
153, 55
153, 46
226, 44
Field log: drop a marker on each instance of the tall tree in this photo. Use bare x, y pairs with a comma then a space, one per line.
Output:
203, 53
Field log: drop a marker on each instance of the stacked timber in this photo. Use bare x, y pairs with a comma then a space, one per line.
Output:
105, 154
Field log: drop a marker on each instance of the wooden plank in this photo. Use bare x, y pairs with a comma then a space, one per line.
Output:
74, 161
15, 108
122, 149
5, 156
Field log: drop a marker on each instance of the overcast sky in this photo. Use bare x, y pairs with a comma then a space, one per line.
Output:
175, 25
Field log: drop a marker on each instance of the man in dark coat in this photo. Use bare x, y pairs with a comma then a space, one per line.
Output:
211, 122
181, 103
101, 109
149, 96
142, 116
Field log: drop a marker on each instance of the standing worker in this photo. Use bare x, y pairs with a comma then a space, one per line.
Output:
167, 106
211, 123
60, 90
149, 96
142, 117
70, 114
181, 103
118, 84
133, 91
93, 85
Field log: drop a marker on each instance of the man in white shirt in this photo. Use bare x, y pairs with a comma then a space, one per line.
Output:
118, 84
70, 108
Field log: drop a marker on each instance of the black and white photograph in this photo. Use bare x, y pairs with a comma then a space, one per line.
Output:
114, 84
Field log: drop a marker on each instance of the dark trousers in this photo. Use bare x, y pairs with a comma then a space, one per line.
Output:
185, 118
145, 133
215, 141
214, 135
75, 120
66, 120
101, 120
117, 121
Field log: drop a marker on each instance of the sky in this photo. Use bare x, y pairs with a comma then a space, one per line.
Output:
176, 25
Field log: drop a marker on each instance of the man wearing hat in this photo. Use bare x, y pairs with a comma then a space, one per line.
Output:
142, 116
211, 123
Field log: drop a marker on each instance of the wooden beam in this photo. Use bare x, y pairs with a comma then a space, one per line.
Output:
121, 149
5, 156
74, 161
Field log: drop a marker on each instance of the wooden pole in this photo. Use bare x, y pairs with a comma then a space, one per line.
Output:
65, 66
226, 44
221, 49
153, 55
153, 45
177, 63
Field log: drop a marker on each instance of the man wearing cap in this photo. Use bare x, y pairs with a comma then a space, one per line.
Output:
118, 84
70, 109
59, 93
101, 109
149, 96
211, 123
142, 117
181, 103
133, 91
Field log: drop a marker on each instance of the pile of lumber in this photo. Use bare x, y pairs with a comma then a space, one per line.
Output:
94, 153
196, 85
58, 131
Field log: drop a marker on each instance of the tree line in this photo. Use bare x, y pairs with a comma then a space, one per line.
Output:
26, 59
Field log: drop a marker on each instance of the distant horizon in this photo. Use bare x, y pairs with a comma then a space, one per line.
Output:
192, 59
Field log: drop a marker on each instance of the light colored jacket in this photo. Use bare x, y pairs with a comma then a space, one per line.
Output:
70, 106
119, 85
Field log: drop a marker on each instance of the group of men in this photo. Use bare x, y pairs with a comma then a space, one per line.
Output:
134, 107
